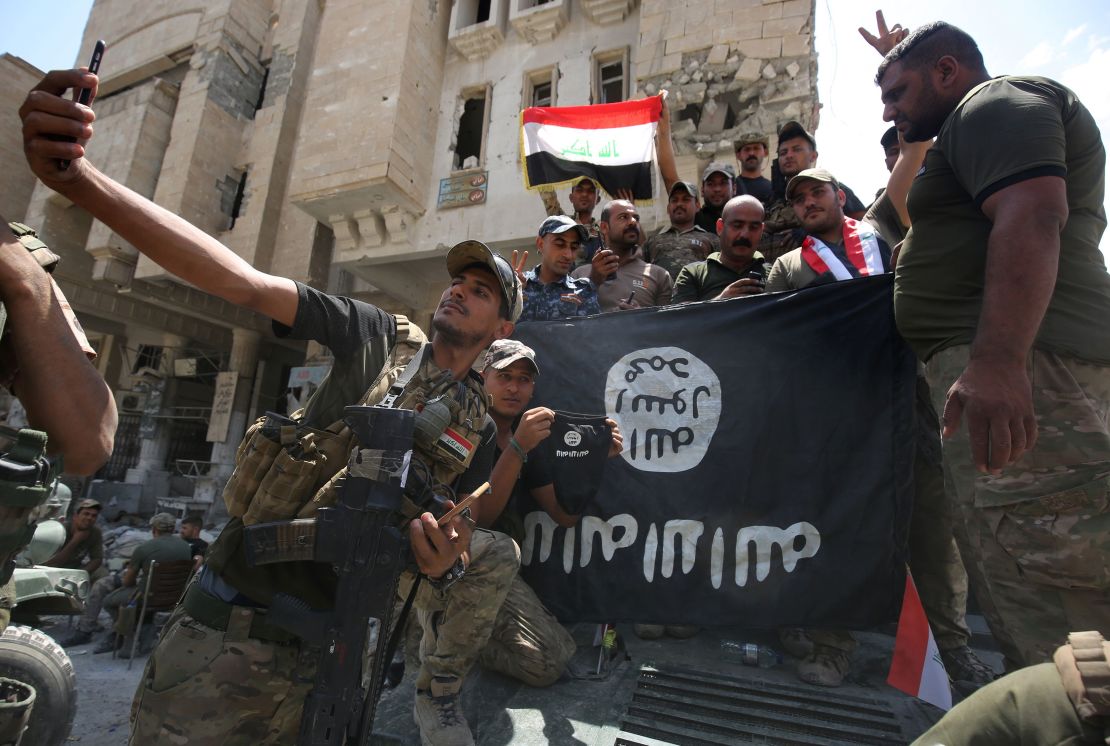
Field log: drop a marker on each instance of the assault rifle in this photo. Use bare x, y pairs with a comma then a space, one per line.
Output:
361, 538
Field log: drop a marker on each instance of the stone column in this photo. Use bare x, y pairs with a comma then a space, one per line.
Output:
150, 471
244, 361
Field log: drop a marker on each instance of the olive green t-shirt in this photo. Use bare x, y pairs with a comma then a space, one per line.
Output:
165, 548
1005, 131
883, 216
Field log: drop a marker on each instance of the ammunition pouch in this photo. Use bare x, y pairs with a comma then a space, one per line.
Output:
1085, 674
46, 258
283, 462
280, 465
25, 478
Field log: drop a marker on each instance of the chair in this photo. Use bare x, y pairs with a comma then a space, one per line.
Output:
163, 587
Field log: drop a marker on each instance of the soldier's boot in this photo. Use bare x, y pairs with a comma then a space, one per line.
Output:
967, 672
825, 666
796, 642
438, 715
106, 645
76, 637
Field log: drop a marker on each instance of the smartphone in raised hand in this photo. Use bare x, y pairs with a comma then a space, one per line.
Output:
85, 94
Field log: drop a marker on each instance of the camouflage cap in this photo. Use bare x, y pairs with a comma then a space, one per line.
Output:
163, 521
504, 352
751, 138
790, 130
562, 224
468, 253
88, 502
718, 167
810, 174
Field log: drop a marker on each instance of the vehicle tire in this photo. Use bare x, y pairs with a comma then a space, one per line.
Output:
32, 657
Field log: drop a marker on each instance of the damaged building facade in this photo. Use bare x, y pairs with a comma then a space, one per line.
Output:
348, 144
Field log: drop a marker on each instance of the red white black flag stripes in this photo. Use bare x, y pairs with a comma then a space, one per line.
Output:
613, 144
917, 668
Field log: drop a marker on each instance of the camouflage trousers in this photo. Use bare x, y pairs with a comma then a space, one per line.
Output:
210, 687
107, 595
207, 686
527, 642
935, 563
456, 624
1035, 539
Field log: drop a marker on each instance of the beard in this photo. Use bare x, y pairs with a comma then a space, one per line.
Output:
823, 222
453, 337
933, 113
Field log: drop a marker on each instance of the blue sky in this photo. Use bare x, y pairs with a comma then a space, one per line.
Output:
46, 33
1068, 40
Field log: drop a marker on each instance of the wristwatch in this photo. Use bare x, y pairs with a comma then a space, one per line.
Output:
450, 577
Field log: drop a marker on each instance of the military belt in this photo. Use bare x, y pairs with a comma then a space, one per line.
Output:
212, 612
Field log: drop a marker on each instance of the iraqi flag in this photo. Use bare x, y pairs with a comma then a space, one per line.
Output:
916, 668
613, 144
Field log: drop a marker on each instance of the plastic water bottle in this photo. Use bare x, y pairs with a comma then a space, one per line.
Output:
750, 654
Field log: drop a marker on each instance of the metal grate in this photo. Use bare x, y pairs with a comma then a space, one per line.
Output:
678, 706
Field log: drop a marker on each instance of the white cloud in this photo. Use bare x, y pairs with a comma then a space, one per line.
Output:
1088, 80
1038, 56
1073, 34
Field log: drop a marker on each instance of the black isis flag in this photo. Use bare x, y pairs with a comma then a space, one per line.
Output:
766, 476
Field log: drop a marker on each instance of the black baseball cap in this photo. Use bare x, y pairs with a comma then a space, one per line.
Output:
792, 129
684, 186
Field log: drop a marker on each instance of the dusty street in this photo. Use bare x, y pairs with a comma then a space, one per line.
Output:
105, 687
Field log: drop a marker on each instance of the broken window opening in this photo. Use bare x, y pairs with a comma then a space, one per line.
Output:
149, 356
691, 112
483, 11
730, 117
237, 205
468, 143
262, 89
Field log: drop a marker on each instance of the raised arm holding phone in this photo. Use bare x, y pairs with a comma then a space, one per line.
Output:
480, 305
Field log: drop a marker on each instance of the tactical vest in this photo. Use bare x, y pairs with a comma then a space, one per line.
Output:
291, 470
26, 475
782, 231
1085, 673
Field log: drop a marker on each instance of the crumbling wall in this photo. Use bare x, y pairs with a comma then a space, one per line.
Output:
730, 67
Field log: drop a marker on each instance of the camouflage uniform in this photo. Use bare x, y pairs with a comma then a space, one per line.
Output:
527, 643
1035, 539
672, 249
208, 686
458, 623
564, 298
938, 571
782, 231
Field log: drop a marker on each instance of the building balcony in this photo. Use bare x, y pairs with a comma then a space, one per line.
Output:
474, 36
538, 21
607, 11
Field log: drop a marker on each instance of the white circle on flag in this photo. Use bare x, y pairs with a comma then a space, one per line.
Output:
572, 438
667, 403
